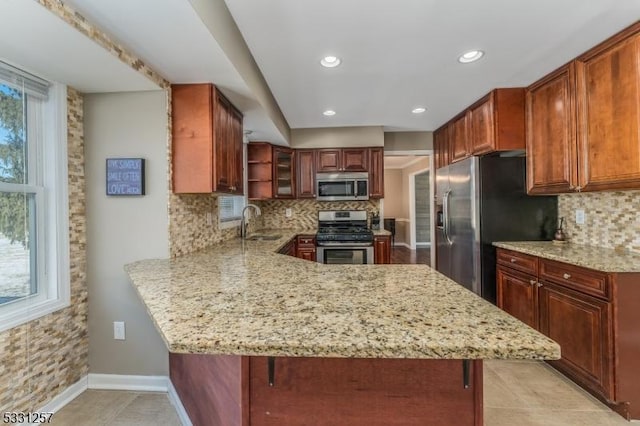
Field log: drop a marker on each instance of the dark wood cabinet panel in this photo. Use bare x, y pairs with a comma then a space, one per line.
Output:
260, 171
328, 160
441, 146
306, 173
376, 173
307, 254
551, 133
608, 89
207, 141
459, 147
355, 159
520, 261
517, 295
481, 127
582, 326
382, 249
306, 247
283, 173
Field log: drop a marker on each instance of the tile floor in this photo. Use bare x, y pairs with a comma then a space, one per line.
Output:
522, 393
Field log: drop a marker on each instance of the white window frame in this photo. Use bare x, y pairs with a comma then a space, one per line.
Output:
52, 205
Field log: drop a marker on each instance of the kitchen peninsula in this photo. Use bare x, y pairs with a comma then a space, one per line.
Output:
262, 338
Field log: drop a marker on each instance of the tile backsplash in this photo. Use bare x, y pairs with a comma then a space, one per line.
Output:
304, 213
612, 219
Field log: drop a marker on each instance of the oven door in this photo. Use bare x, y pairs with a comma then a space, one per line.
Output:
345, 255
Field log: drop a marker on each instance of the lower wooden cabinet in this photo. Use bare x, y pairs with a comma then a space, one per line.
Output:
582, 325
517, 294
593, 315
382, 249
306, 247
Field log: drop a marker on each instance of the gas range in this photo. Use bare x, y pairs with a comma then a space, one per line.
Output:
343, 227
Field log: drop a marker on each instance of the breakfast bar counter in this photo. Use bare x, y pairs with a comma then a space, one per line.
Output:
285, 337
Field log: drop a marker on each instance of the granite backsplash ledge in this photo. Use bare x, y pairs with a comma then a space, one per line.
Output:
612, 219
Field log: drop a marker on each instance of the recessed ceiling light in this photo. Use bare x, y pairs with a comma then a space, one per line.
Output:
470, 56
418, 110
330, 61
329, 112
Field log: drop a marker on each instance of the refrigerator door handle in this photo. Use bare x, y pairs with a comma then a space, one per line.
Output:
445, 212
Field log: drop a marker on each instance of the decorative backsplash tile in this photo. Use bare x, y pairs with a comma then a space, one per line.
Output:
305, 212
612, 219
40, 359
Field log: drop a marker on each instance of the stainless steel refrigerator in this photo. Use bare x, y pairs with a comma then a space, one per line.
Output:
481, 200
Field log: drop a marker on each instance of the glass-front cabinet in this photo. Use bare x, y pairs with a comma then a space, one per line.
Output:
283, 173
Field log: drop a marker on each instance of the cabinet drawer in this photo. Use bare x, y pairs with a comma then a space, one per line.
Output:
306, 241
520, 261
584, 280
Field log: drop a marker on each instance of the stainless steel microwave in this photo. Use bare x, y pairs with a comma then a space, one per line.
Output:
342, 186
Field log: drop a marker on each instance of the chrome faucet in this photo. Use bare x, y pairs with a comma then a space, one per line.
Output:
243, 222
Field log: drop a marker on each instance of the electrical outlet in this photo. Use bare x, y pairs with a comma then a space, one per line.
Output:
288, 212
118, 330
209, 219
580, 216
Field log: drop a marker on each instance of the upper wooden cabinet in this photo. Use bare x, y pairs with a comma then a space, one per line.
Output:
207, 141
583, 121
550, 111
376, 173
496, 122
306, 173
342, 160
283, 172
260, 170
459, 146
441, 146
608, 90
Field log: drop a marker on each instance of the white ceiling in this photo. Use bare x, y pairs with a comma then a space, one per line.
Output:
37, 41
401, 54
396, 55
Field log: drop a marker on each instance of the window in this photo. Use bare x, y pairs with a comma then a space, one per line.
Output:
33, 203
230, 210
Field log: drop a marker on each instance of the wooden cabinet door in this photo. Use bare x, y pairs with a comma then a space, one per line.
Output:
222, 146
306, 173
192, 155
382, 249
376, 173
328, 160
237, 148
517, 295
441, 146
609, 115
551, 133
355, 160
481, 128
307, 254
582, 325
283, 173
459, 140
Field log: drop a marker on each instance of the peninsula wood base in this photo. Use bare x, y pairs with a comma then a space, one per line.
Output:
236, 390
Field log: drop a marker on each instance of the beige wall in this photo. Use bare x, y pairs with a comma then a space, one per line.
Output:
408, 141
42, 358
121, 230
393, 193
330, 137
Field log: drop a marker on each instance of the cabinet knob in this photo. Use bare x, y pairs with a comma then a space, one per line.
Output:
513, 260
566, 276
533, 282
539, 284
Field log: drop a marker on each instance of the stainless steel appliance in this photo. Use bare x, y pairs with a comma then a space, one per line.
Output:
479, 201
342, 186
343, 237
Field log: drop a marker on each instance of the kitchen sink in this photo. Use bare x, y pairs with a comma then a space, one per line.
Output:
264, 237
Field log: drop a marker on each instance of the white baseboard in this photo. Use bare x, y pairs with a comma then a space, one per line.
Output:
175, 401
423, 244
129, 383
402, 245
65, 397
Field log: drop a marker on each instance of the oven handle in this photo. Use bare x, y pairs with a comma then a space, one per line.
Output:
346, 246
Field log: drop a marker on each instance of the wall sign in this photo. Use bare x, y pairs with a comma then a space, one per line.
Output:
125, 176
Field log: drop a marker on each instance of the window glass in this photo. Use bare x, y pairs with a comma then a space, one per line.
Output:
230, 208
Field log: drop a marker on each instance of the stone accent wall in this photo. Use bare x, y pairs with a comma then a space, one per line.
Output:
77, 21
305, 212
612, 218
40, 359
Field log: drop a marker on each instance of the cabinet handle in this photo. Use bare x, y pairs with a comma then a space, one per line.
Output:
539, 284
271, 364
566, 276
465, 373
513, 260
533, 282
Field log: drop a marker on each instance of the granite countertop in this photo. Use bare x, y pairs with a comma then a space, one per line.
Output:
242, 298
598, 258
